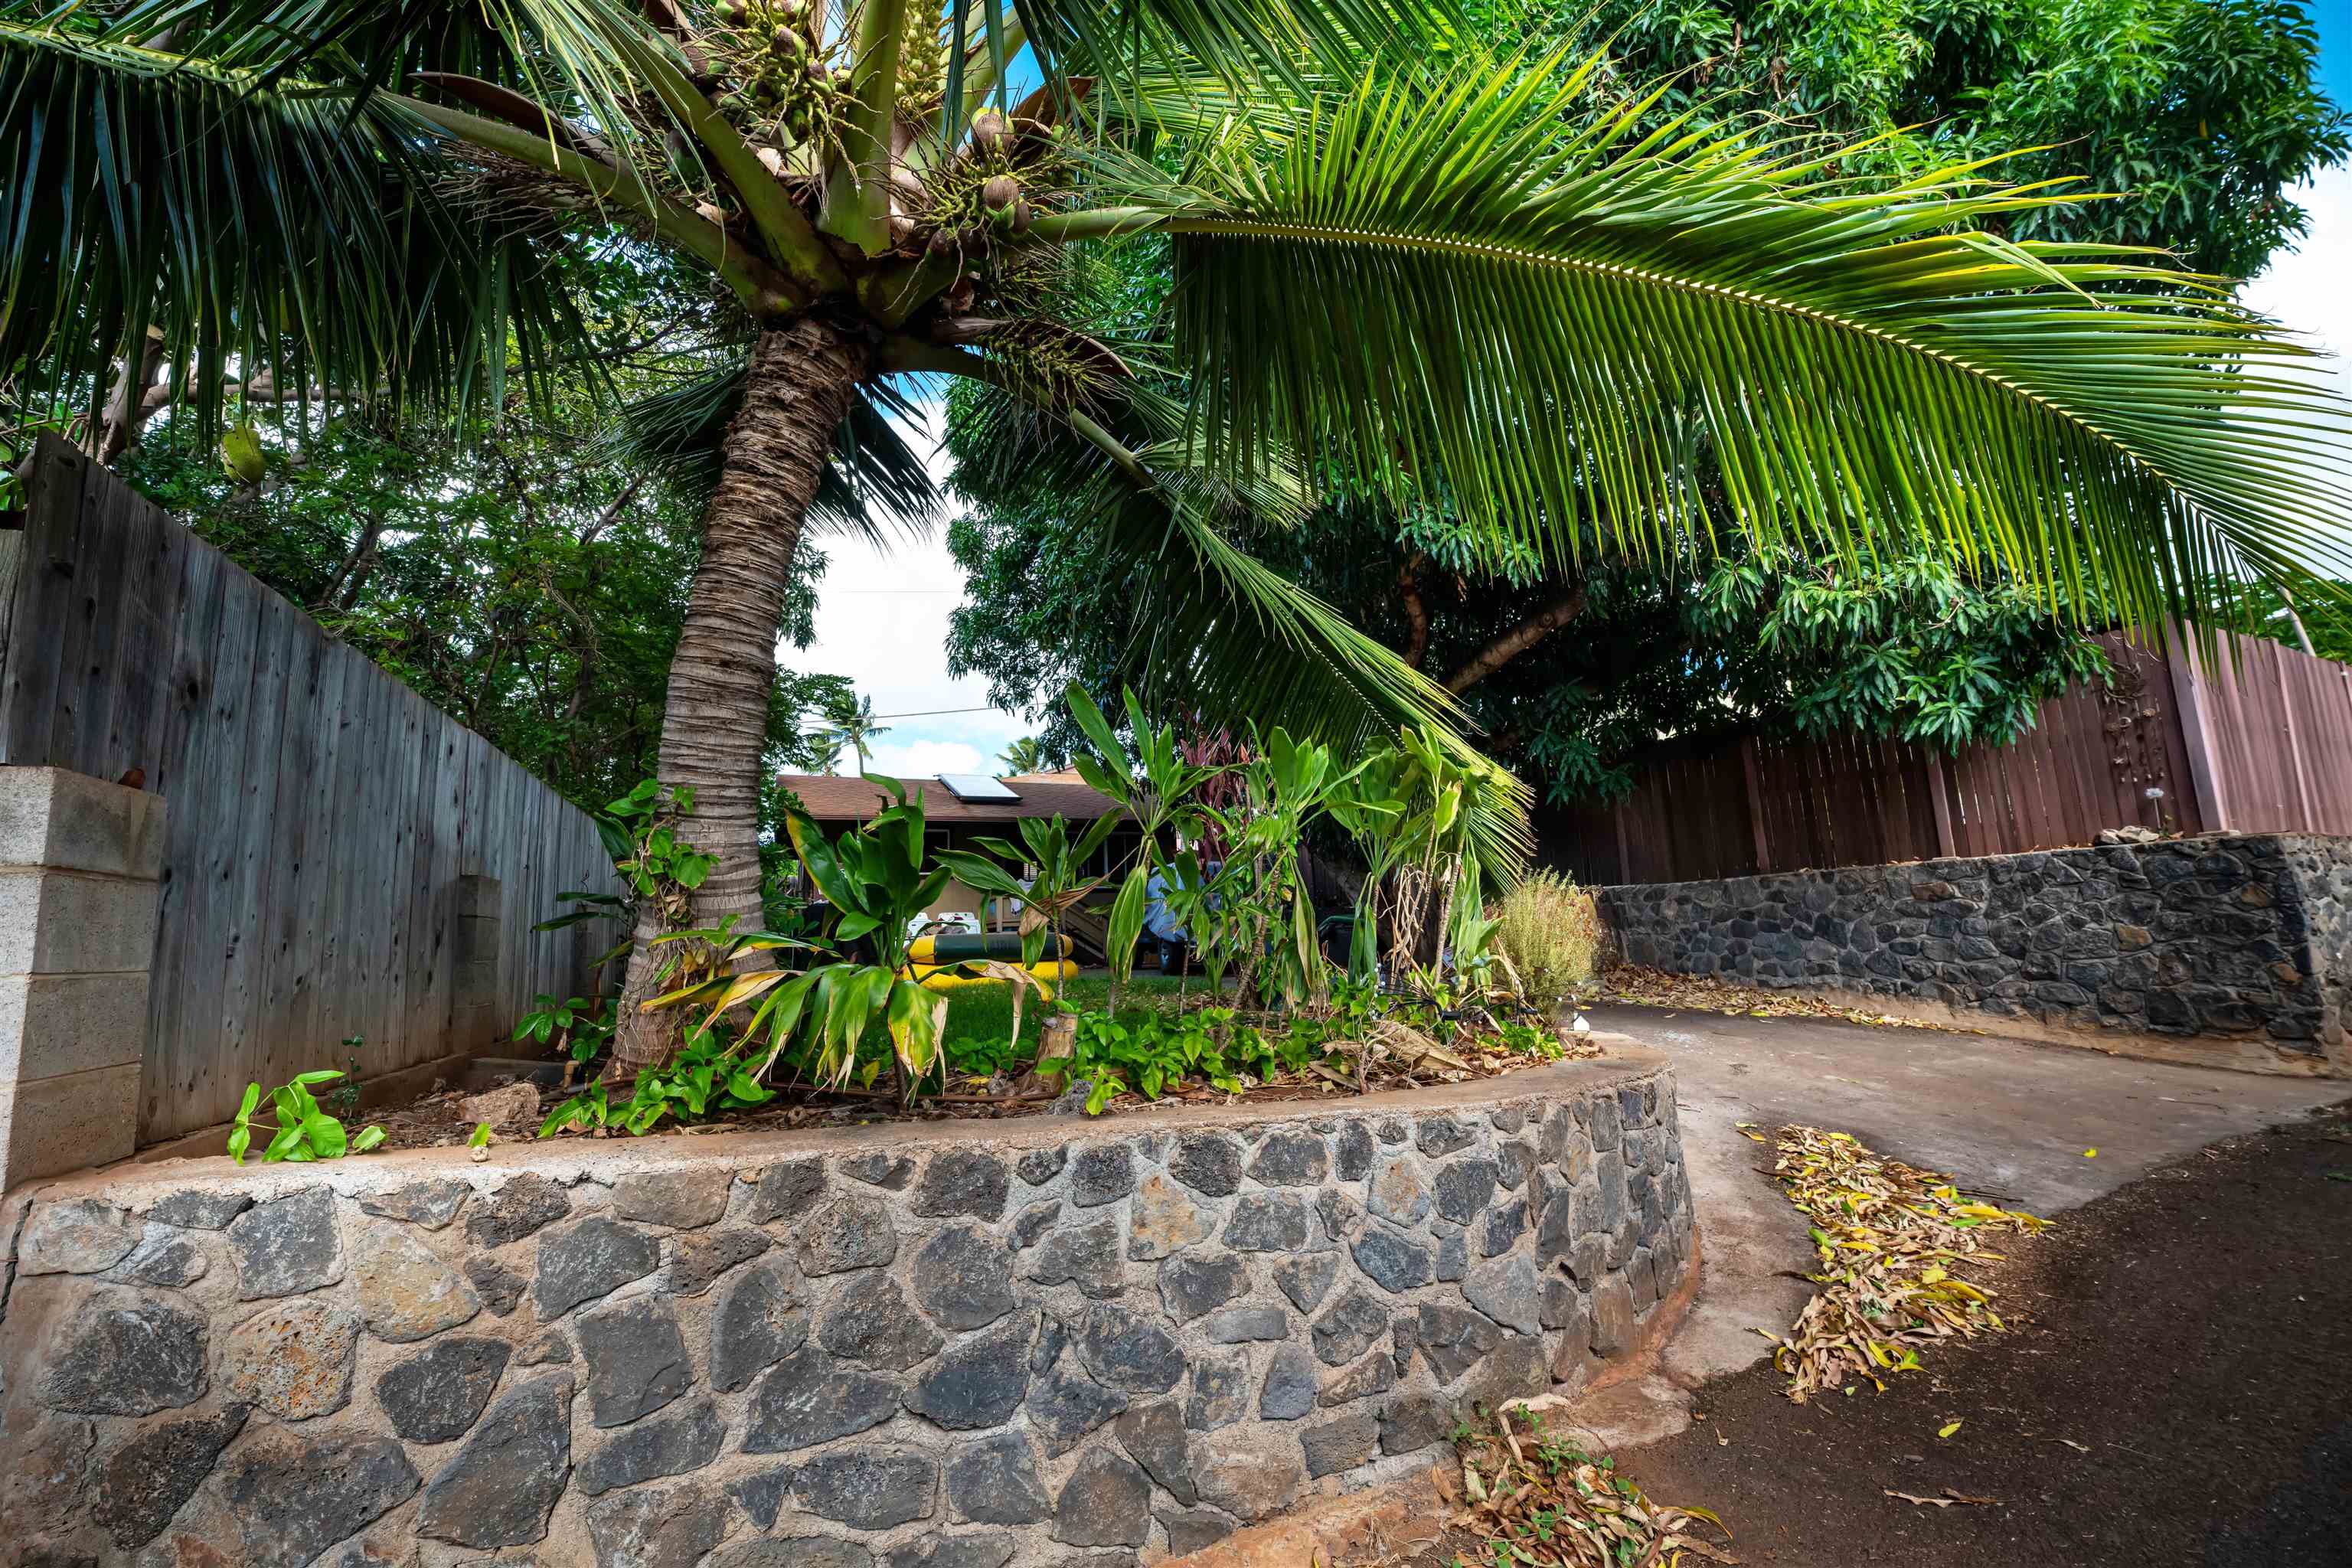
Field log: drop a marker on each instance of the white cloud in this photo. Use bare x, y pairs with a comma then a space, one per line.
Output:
882, 621
2306, 288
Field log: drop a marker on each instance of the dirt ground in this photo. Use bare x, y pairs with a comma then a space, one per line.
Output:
2178, 1391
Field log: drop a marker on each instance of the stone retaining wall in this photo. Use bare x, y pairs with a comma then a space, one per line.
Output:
2242, 943
961, 1345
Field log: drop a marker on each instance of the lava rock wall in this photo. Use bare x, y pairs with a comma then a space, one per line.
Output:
951, 1346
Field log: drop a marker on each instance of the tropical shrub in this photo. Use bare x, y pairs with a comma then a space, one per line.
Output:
1549, 930
305, 1130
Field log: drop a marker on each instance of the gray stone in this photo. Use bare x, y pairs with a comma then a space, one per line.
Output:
1268, 1222
1129, 1351
994, 1480
685, 1199
550, 1348
852, 1232
662, 1527
795, 1551
1085, 1255
649, 1450
1641, 1276
1042, 1165
1153, 1435
809, 1399
195, 1209
1064, 1406
1399, 1193
1052, 1335
962, 1182
1439, 1136
1349, 1327
1454, 1338
526, 1205
1519, 1369
437, 1394
1163, 1220
431, 1205
296, 1496
1355, 1151
1394, 1263
637, 1359
137, 1487
1373, 1374
871, 1320
963, 1278
498, 1288
287, 1247
1290, 1389
1452, 1255
1504, 1288
1246, 1325
1563, 1308
76, 1235
165, 1259
1194, 1530
755, 1321
889, 1172
786, 1191
1514, 1163
1208, 1162
1414, 1421
1107, 1502
1250, 1480
979, 1382
1342, 1443
293, 1358
128, 1354
1342, 1216
406, 1293
1305, 1280
1501, 1229
1034, 1221
1464, 1187
1193, 1284
761, 1494
592, 1258
504, 1481
868, 1488
695, 1262
1291, 1157
1612, 1317
1608, 1128
1101, 1174
1507, 1118
1221, 1392
989, 1549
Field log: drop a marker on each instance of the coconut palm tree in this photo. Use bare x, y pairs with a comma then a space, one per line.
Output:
1398, 263
854, 727
1025, 755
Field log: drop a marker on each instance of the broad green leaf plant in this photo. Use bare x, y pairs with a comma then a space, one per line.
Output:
305, 1130
1400, 261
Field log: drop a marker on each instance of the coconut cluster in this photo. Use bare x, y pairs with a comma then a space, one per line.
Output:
785, 89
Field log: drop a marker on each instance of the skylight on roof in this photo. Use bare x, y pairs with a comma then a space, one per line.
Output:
971, 787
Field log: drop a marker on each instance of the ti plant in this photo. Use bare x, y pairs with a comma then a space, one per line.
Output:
305, 1130
1058, 880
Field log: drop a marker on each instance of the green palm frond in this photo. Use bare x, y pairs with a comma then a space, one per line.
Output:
1474, 286
1229, 638
878, 485
291, 228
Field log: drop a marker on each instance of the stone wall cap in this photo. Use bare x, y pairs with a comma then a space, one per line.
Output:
138, 1186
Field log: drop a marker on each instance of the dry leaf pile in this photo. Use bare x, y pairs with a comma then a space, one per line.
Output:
1892, 1242
1711, 994
1542, 1502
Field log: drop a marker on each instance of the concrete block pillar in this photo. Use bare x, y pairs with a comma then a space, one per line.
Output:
477, 1004
82, 865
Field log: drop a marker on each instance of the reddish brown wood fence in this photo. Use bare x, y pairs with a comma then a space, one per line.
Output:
2259, 740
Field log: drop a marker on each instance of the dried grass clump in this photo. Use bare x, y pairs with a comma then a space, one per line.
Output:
1550, 931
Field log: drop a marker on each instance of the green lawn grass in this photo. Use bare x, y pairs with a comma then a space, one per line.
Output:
985, 1012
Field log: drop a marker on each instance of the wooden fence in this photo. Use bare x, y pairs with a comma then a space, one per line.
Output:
2259, 740
342, 859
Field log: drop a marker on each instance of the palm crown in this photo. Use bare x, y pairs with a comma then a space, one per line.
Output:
1399, 262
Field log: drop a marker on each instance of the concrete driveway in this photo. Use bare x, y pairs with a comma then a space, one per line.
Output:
2011, 1118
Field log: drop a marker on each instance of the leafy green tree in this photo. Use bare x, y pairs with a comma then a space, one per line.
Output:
1400, 264
1025, 755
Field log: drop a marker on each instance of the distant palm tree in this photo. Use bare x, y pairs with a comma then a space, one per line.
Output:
854, 727
1025, 755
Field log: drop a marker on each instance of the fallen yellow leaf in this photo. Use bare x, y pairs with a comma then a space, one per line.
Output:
2090, 1154
1948, 1431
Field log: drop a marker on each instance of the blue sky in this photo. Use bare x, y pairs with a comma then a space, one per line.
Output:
882, 615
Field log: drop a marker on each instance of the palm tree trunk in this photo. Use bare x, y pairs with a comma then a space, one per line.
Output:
803, 375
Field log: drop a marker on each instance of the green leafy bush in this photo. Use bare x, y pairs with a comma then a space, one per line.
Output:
1549, 930
305, 1130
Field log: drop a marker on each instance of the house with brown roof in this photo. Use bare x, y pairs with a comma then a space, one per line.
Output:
960, 807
